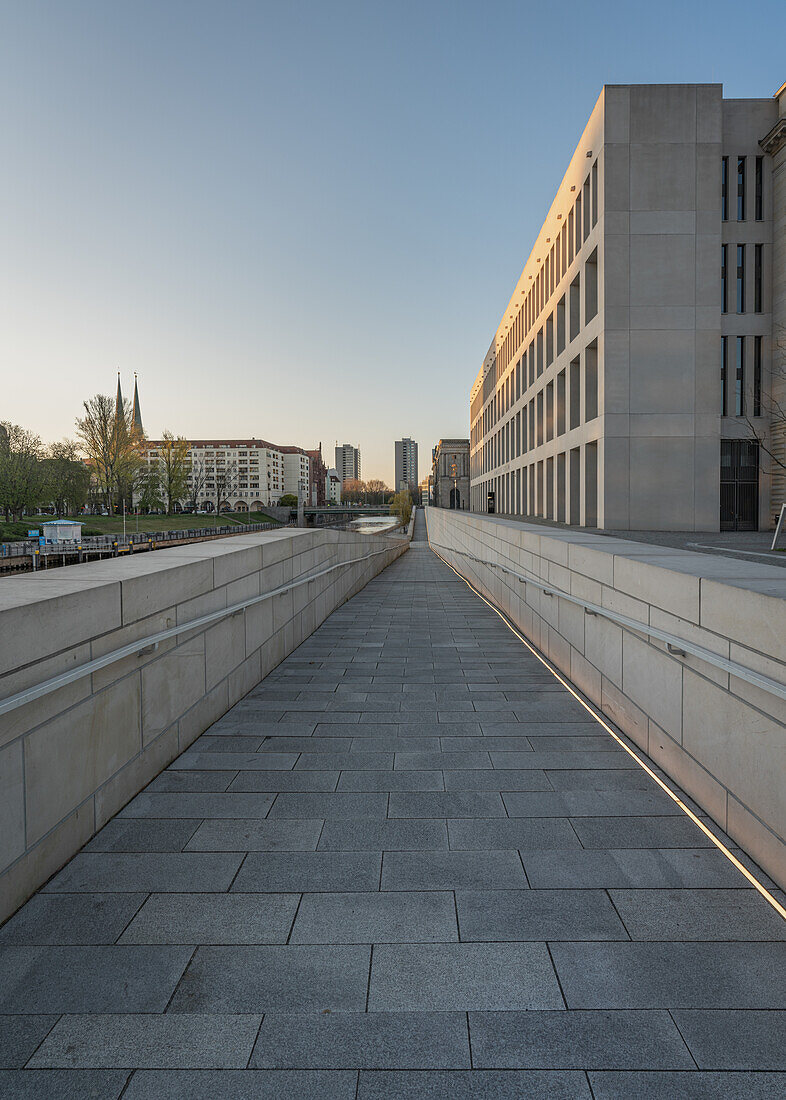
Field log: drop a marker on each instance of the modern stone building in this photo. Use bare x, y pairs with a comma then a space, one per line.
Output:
406, 465
450, 474
630, 383
348, 462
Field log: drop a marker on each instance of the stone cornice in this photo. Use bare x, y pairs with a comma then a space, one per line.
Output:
775, 140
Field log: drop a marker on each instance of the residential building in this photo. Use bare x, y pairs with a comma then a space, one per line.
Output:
348, 462
406, 458
317, 484
333, 487
247, 474
632, 381
424, 490
450, 474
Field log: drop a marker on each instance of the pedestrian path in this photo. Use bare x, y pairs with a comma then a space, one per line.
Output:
408, 866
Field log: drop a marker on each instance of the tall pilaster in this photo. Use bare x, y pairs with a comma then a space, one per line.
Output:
775, 145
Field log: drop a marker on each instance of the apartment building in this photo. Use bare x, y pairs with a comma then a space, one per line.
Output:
242, 475
630, 383
406, 465
348, 462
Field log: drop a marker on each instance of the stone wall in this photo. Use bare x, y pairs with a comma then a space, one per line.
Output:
722, 739
73, 758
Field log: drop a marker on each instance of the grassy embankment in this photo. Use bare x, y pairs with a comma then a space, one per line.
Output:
113, 525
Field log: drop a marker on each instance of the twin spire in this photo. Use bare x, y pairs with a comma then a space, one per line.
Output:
136, 413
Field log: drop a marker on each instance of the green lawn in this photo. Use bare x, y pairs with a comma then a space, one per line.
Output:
113, 525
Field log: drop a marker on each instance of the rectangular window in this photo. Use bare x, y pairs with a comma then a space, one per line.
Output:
561, 403
540, 352
725, 188
540, 418
740, 278
575, 393
591, 381
532, 363
591, 287
759, 196
561, 325
549, 411
550, 340
739, 382
594, 194
724, 278
575, 307
740, 189
757, 375
723, 378
587, 210
757, 261
570, 237
578, 225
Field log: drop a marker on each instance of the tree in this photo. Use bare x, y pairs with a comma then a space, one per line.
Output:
288, 500
67, 478
113, 452
226, 482
173, 467
148, 492
352, 491
376, 490
197, 480
22, 473
772, 385
401, 506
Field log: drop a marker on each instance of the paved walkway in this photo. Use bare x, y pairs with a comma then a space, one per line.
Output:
407, 866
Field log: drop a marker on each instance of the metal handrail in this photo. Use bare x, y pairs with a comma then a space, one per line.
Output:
152, 641
677, 647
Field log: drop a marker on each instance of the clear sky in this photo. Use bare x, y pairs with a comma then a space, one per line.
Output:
301, 221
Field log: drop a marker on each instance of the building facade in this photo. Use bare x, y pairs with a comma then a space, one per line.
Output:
450, 474
630, 382
348, 462
334, 483
406, 465
242, 475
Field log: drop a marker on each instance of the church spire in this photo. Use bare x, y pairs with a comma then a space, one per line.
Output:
136, 418
119, 398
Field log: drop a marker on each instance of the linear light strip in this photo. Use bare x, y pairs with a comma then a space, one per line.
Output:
591, 710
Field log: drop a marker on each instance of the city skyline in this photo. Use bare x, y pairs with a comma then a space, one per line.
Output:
295, 260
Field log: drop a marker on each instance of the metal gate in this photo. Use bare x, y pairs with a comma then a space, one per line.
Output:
739, 485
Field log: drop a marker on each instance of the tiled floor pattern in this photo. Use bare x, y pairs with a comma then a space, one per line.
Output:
407, 866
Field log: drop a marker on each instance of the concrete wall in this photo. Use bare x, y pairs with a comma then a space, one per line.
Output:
72, 759
720, 738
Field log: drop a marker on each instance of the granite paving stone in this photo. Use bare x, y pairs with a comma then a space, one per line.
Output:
391, 1040
199, 806
462, 976
124, 1041
291, 978
278, 872
256, 836
475, 1085
380, 917
275, 782
213, 919
510, 780
59, 1084
142, 835
452, 871
648, 1085
20, 1036
67, 919
96, 872
172, 781
340, 806
481, 834
591, 804
734, 1039
577, 1040
446, 804
688, 914
391, 781
403, 835
242, 1085
633, 867
513, 915
89, 979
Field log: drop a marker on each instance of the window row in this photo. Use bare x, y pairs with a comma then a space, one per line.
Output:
582, 218
565, 403
741, 380
563, 487
563, 325
741, 195
758, 263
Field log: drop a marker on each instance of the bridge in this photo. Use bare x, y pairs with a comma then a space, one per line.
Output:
413, 861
